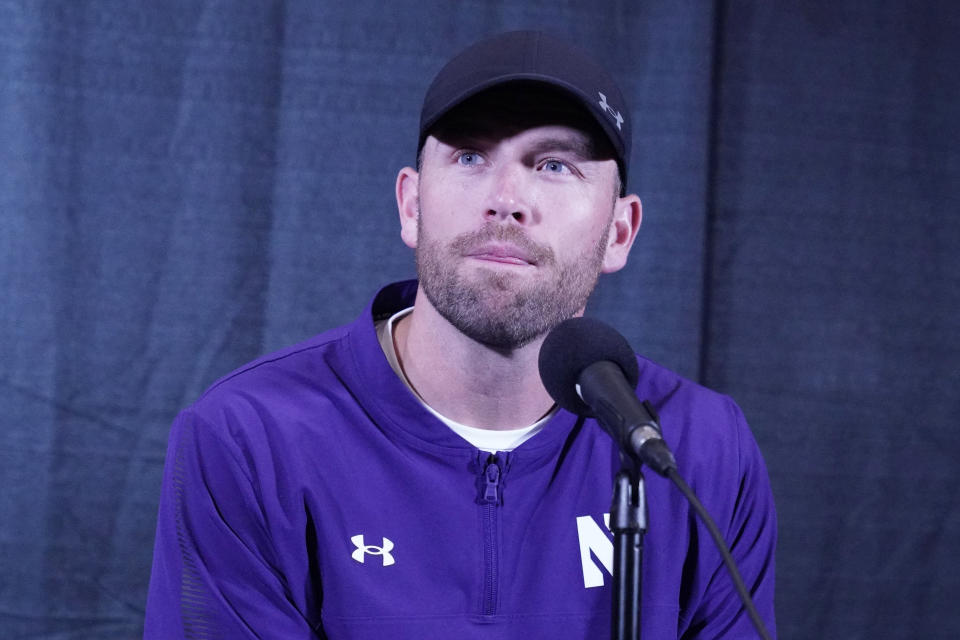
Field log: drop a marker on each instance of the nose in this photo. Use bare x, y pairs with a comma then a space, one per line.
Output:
510, 196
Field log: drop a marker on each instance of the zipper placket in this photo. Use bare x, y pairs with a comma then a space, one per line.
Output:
492, 471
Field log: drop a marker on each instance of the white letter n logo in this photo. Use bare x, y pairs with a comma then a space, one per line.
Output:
594, 540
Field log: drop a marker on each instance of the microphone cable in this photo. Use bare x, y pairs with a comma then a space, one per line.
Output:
728, 561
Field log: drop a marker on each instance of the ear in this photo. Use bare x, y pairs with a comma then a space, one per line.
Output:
408, 199
627, 216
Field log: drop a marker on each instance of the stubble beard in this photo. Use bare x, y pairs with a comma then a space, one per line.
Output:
495, 307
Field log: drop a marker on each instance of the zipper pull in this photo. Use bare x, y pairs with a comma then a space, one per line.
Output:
491, 477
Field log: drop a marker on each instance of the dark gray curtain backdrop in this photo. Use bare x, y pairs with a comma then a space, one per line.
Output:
186, 185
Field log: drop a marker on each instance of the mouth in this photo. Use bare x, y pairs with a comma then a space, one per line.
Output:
503, 254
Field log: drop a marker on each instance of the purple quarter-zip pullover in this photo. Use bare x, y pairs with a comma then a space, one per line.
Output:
310, 495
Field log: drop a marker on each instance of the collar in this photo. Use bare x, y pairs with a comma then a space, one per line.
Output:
384, 395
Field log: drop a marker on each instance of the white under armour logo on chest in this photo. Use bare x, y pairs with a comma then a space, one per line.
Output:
363, 549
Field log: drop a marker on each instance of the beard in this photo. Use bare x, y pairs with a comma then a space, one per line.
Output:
496, 307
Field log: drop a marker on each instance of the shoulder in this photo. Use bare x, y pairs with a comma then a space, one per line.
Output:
706, 429
684, 400
308, 390
282, 375
281, 399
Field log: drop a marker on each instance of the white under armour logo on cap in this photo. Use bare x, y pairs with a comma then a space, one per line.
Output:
606, 107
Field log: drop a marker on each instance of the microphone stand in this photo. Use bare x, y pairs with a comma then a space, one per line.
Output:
628, 522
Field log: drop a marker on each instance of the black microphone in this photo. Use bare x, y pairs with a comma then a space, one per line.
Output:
589, 369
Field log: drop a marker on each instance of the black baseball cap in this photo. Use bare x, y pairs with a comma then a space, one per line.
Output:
537, 57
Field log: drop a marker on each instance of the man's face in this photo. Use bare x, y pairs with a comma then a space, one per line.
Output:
513, 219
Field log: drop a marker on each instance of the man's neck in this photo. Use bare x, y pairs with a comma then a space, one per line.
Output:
465, 380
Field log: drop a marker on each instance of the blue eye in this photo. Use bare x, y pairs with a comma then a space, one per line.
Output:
554, 166
469, 158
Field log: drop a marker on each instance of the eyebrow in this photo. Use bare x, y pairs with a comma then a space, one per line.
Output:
581, 148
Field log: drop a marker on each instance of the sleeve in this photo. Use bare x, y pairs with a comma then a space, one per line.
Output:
749, 526
216, 570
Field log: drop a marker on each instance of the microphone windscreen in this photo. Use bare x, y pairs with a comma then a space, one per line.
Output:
571, 347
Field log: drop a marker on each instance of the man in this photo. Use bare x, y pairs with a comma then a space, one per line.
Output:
407, 475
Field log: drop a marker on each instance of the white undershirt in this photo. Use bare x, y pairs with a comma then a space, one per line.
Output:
489, 440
